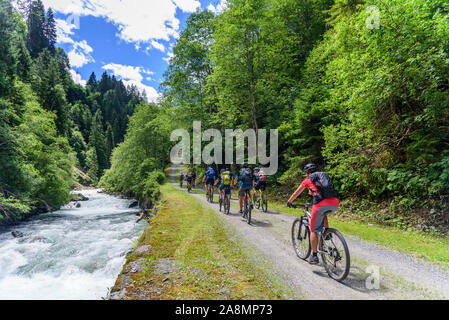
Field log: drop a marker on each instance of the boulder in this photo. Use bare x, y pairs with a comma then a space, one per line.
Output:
17, 234
135, 204
78, 205
80, 197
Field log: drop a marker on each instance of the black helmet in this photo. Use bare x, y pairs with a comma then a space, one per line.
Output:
310, 168
257, 169
245, 165
222, 170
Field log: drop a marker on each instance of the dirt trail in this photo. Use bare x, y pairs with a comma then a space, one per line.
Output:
401, 276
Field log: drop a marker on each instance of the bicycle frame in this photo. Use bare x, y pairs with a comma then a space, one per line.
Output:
306, 219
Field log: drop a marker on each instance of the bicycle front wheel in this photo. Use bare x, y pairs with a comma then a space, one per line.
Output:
301, 239
335, 255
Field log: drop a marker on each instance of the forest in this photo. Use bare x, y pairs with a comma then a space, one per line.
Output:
54, 134
367, 103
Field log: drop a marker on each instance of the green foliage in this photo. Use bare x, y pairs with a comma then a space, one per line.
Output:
136, 162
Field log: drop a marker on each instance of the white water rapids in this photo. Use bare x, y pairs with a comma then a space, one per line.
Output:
72, 253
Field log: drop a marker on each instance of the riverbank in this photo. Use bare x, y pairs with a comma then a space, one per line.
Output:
73, 253
186, 252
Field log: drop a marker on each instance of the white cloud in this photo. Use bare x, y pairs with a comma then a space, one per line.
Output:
133, 76
219, 8
64, 31
157, 45
77, 78
80, 54
137, 20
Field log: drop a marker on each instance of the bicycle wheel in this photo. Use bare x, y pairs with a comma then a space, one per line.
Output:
248, 216
301, 239
227, 205
257, 203
335, 255
264, 204
221, 203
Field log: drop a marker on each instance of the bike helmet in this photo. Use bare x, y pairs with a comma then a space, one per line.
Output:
222, 170
310, 168
245, 165
257, 170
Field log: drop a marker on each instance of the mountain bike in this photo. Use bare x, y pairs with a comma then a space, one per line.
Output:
262, 202
225, 202
248, 209
332, 247
181, 181
210, 195
189, 187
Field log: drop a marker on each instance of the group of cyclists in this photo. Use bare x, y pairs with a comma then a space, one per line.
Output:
247, 180
319, 184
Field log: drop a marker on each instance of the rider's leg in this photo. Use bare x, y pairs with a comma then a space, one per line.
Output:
314, 241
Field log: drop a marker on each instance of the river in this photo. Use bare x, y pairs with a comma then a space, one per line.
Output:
70, 254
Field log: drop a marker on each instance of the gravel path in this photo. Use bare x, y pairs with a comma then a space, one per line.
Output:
400, 276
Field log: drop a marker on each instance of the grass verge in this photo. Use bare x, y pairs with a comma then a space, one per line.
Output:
189, 255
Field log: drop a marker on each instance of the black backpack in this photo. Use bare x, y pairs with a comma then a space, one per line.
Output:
325, 186
247, 177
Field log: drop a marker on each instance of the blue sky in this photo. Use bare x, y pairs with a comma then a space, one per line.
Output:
132, 39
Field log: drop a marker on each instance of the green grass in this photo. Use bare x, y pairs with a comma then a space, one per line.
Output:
428, 247
210, 264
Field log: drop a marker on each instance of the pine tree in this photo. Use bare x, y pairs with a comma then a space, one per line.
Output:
98, 142
50, 30
37, 39
92, 82
110, 144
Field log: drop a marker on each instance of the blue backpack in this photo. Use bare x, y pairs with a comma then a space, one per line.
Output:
210, 173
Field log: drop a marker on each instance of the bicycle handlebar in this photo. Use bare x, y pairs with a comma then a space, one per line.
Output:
306, 205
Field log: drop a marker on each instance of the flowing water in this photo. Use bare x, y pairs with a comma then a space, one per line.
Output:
71, 253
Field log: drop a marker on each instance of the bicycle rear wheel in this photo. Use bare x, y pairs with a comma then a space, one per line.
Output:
301, 239
248, 215
227, 205
335, 255
264, 204
257, 203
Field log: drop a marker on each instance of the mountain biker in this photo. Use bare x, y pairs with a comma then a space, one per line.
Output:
209, 179
189, 179
325, 201
225, 181
260, 182
194, 178
181, 178
245, 181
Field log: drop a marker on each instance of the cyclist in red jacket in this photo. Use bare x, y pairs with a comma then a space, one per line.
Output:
325, 201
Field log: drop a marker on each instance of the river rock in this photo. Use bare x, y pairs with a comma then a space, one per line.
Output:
17, 234
143, 250
120, 295
137, 266
78, 205
135, 204
39, 239
80, 197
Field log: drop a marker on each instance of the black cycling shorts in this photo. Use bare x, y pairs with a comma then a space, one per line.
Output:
261, 185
